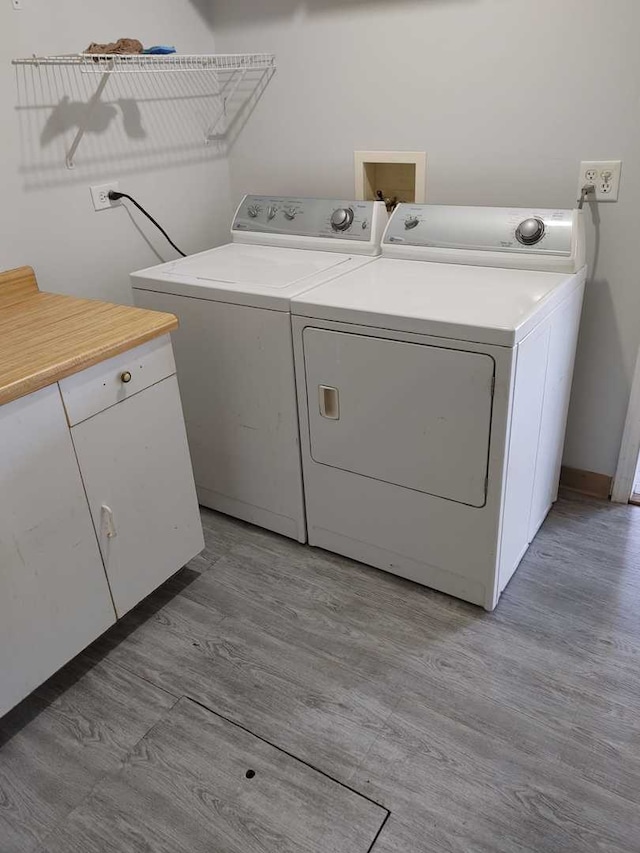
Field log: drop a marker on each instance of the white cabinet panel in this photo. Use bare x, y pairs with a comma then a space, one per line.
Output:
522, 456
409, 414
92, 390
54, 597
136, 469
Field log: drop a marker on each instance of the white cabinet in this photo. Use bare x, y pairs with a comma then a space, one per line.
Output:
137, 474
54, 597
68, 568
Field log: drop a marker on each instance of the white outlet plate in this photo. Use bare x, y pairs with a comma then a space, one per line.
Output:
101, 200
605, 177
17, 4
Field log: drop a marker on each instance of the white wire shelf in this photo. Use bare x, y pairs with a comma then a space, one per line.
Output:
236, 66
154, 63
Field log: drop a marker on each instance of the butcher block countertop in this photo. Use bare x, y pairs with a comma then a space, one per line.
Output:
46, 336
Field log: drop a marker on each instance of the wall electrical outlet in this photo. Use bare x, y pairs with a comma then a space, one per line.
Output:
17, 4
604, 175
100, 196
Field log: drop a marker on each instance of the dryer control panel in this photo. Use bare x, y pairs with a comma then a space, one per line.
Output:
314, 218
527, 238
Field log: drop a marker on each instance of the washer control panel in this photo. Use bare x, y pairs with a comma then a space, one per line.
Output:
306, 217
482, 229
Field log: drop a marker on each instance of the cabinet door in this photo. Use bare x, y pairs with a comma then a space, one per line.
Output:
54, 597
136, 469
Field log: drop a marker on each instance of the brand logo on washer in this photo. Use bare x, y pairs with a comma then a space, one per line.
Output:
396, 239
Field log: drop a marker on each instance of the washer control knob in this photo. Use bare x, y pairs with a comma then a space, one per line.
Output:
253, 210
290, 212
530, 231
411, 222
271, 211
341, 218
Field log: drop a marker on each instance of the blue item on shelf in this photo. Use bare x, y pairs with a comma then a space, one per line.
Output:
160, 48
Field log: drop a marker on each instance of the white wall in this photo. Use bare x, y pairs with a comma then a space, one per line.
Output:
46, 216
506, 97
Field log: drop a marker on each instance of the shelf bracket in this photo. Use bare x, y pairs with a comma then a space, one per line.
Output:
91, 105
228, 91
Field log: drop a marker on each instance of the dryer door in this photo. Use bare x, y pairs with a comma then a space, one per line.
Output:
414, 415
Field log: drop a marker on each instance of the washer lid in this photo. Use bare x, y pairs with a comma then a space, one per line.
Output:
238, 265
480, 304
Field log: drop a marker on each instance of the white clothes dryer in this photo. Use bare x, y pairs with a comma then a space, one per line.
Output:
233, 349
433, 388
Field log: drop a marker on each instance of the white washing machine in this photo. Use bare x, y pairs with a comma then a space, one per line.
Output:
233, 348
433, 388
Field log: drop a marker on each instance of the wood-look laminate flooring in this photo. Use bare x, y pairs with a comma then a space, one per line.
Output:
198, 782
516, 731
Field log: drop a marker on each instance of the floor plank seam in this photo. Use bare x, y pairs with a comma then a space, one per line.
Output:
376, 739
148, 681
212, 563
291, 755
109, 773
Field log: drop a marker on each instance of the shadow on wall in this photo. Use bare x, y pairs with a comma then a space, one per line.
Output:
257, 9
598, 368
143, 121
595, 367
205, 10
70, 115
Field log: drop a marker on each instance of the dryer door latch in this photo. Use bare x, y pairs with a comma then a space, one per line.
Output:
329, 400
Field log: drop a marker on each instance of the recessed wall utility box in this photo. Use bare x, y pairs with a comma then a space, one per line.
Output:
399, 174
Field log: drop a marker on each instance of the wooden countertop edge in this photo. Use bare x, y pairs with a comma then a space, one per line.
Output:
60, 370
20, 289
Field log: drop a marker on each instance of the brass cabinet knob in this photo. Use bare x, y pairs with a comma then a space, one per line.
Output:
126, 376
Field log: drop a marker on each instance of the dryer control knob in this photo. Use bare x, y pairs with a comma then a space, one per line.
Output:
341, 218
530, 231
411, 222
253, 210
